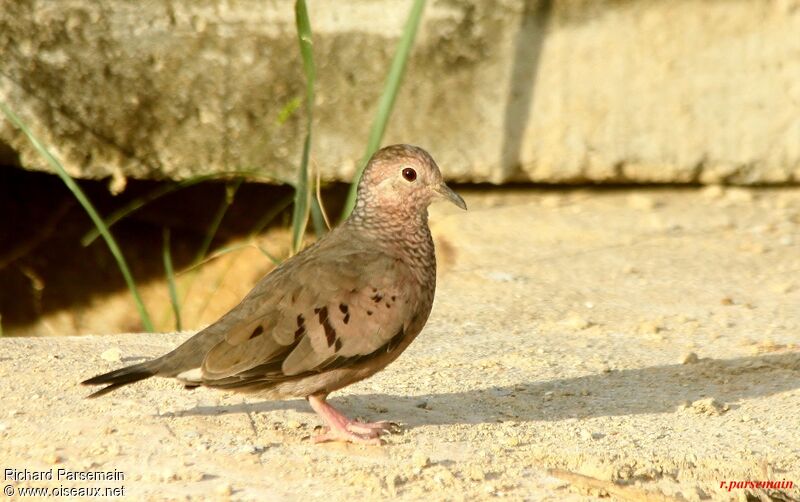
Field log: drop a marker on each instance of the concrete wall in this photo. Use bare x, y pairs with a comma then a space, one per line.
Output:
546, 91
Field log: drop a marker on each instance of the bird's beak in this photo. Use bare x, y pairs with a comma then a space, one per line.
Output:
445, 192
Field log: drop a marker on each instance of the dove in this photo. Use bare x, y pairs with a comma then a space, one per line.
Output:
334, 314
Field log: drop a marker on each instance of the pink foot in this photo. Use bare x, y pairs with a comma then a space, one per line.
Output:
341, 428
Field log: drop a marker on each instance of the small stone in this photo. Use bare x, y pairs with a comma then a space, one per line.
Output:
419, 460
168, 475
392, 482
476, 473
649, 328
576, 322
697, 494
224, 489
708, 406
726, 301
293, 424
53, 458
500, 276
248, 449
690, 358
113, 355
443, 476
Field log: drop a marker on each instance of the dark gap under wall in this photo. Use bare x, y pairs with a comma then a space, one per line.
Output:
44, 268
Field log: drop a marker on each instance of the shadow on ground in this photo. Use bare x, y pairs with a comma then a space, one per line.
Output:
662, 389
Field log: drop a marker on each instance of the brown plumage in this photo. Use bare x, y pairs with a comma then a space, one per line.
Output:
334, 314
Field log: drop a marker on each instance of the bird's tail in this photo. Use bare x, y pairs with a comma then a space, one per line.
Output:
120, 377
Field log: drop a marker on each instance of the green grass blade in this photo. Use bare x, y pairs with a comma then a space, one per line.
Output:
270, 215
87, 205
386, 102
317, 218
318, 214
302, 194
230, 193
139, 202
166, 253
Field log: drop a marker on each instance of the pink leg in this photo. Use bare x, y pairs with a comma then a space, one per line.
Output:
341, 428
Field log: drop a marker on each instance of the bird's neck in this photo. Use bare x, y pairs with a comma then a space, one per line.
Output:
401, 231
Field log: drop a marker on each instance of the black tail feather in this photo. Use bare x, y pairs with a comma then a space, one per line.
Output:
120, 377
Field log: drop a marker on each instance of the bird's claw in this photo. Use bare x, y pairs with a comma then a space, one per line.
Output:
357, 432
376, 428
348, 437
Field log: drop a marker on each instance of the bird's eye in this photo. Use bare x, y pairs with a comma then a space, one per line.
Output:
409, 174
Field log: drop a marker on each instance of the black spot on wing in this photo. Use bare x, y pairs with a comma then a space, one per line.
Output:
377, 297
337, 346
300, 332
268, 374
300, 320
330, 333
346, 318
343, 308
258, 331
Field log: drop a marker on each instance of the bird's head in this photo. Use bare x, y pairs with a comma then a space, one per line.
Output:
403, 177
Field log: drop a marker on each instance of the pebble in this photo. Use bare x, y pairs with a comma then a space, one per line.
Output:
649, 328
223, 489
576, 322
392, 482
53, 458
500, 276
690, 358
708, 406
113, 355
419, 460
476, 473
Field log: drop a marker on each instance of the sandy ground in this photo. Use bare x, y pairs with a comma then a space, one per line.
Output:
643, 345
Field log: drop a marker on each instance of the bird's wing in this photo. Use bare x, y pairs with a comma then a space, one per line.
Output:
327, 307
